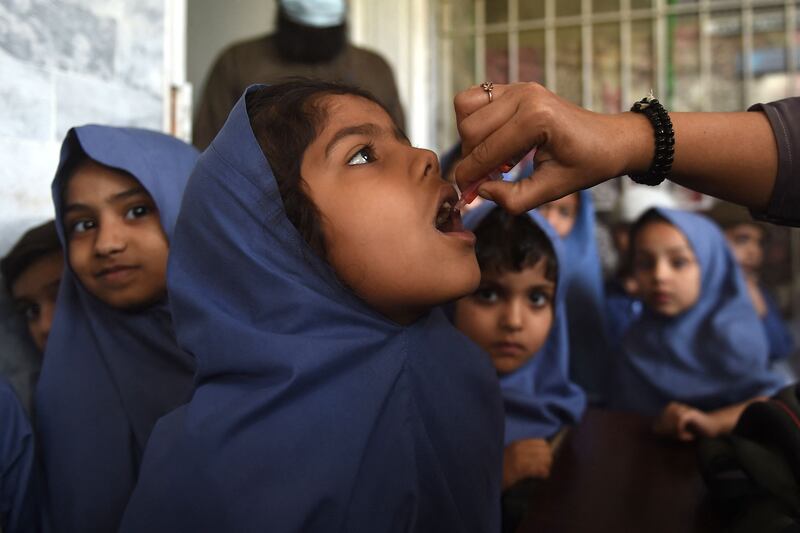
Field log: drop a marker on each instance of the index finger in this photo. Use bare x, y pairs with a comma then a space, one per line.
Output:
503, 144
470, 100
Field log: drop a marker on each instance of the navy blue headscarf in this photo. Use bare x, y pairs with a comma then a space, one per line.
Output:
582, 274
313, 412
712, 355
108, 374
539, 397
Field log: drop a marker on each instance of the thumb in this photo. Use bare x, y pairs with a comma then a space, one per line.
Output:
687, 427
548, 183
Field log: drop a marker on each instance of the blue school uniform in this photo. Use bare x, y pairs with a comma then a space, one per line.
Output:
712, 355
582, 273
622, 310
108, 374
17, 503
539, 397
781, 342
313, 412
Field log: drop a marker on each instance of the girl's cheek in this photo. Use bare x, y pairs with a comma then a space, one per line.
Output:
692, 288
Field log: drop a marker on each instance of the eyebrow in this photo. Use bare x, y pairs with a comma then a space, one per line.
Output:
679, 249
673, 250
368, 129
114, 198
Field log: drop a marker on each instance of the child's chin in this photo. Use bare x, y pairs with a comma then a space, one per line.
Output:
469, 278
505, 367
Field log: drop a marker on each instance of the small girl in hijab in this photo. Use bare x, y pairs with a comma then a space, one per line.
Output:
312, 251
746, 238
112, 366
697, 356
573, 219
17, 498
517, 316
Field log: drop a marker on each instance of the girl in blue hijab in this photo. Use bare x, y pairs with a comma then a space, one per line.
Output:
17, 501
698, 353
573, 219
312, 250
517, 316
112, 366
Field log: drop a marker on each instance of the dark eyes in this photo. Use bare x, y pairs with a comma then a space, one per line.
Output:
82, 226
86, 224
536, 298
486, 295
679, 263
539, 298
648, 263
31, 312
137, 212
363, 156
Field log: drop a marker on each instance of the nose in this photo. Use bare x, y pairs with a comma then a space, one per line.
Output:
427, 163
550, 215
661, 271
511, 316
110, 239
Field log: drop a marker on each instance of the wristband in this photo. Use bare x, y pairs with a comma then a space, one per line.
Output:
664, 139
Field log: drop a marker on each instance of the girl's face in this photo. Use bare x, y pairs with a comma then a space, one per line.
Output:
666, 269
747, 243
35, 291
117, 247
562, 213
509, 316
379, 198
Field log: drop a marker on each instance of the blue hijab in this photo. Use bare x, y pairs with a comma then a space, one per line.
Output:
712, 355
312, 412
108, 374
17, 511
539, 397
583, 276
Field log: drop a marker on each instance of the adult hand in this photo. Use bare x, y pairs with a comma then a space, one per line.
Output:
576, 147
526, 458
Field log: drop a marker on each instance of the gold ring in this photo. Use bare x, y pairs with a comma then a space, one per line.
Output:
488, 87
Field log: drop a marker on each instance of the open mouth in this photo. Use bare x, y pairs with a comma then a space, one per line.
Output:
448, 218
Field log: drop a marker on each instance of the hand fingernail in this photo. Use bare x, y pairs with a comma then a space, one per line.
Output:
485, 194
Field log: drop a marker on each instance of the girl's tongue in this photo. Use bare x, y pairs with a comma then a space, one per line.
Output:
449, 219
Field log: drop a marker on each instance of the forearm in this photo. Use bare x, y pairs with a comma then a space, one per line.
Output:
727, 417
732, 156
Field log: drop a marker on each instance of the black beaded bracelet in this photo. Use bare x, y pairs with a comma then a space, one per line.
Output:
665, 140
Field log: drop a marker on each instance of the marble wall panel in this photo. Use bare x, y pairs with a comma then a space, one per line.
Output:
58, 35
25, 176
26, 100
81, 100
140, 46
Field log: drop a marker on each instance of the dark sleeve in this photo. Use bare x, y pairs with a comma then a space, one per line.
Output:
219, 96
784, 205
